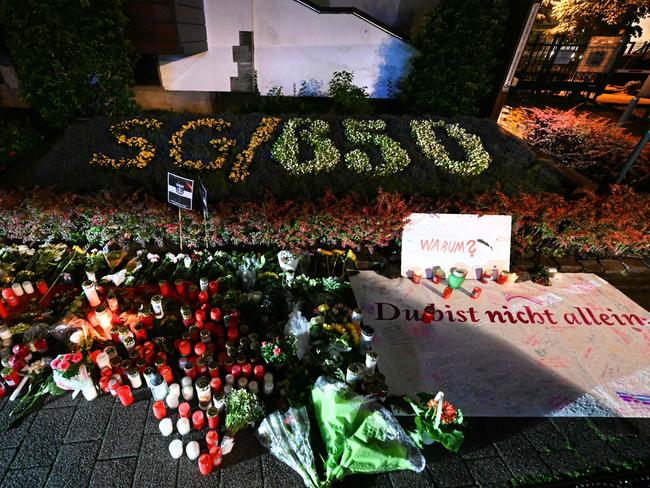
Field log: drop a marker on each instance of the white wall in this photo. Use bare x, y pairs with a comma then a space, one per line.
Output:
293, 43
211, 70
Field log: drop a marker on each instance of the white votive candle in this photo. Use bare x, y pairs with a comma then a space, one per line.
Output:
172, 401
166, 426
176, 448
188, 393
27, 286
193, 450
91, 293
183, 425
175, 389
17, 289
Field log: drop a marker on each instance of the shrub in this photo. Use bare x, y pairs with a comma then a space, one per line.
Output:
585, 142
347, 97
459, 46
18, 137
72, 58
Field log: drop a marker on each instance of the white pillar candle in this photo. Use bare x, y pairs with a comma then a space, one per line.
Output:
89, 391
91, 293
188, 393
166, 426
268, 378
186, 381
227, 389
371, 361
172, 401
183, 425
134, 378
17, 289
268, 388
193, 450
203, 283
253, 387
176, 448
175, 389
230, 379
156, 305
103, 360
27, 286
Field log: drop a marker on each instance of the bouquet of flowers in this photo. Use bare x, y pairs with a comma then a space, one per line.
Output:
70, 373
242, 408
280, 350
436, 421
335, 321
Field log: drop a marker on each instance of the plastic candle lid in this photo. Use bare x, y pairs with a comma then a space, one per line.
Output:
193, 450
166, 426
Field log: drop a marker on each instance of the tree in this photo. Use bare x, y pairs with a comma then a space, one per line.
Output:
348, 98
459, 45
72, 57
587, 17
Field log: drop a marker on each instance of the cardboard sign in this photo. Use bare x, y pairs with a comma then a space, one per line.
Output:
600, 54
579, 347
446, 241
180, 191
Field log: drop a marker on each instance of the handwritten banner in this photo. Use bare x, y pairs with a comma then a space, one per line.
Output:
445, 241
580, 347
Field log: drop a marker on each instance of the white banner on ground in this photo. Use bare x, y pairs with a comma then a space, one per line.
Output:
577, 348
445, 241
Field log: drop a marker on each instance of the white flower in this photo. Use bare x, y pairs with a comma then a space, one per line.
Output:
171, 257
140, 251
153, 258
77, 336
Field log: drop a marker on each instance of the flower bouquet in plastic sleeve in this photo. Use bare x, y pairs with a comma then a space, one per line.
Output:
69, 372
287, 437
360, 435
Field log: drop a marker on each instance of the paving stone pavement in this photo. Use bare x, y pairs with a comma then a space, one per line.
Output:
102, 444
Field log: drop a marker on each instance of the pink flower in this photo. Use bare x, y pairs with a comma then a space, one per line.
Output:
55, 364
67, 357
64, 364
77, 357
277, 351
264, 343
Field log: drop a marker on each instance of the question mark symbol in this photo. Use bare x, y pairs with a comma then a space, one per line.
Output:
472, 247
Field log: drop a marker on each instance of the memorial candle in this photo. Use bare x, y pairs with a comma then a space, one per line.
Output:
206, 464
217, 456
192, 450
91, 293
211, 438
17, 289
192, 293
204, 297
427, 315
258, 371
124, 394
213, 417
183, 426
180, 287
213, 287
4, 313
156, 305
166, 427
159, 410
42, 286
27, 286
215, 314
164, 288
176, 448
184, 410
204, 284
10, 297
476, 292
198, 420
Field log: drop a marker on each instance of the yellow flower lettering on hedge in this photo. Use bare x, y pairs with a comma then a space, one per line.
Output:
221, 144
240, 170
147, 149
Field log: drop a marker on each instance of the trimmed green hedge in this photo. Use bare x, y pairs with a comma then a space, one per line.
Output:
513, 168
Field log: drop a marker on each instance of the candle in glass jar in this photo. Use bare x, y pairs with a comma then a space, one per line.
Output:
156, 305
203, 284
27, 286
105, 319
213, 287
175, 389
242, 383
10, 376
246, 370
17, 289
436, 278
416, 276
188, 393
211, 438
204, 297
166, 427
476, 292
203, 392
230, 379
219, 402
446, 293
186, 381
159, 409
268, 388
134, 377
215, 314
502, 279
192, 293
166, 373
172, 401
227, 390
91, 293
215, 384
253, 387
180, 286
159, 387
124, 394
206, 464
371, 361
199, 315
258, 372
235, 371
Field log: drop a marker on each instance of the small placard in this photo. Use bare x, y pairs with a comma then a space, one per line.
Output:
180, 191
446, 241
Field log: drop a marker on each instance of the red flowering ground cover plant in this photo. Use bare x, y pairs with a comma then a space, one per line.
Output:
586, 142
611, 223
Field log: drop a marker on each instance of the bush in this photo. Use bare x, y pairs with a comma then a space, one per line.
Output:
513, 167
347, 97
586, 142
18, 137
72, 58
459, 45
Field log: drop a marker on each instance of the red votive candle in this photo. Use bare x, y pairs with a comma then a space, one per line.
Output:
199, 349
147, 320
204, 297
213, 417
190, 370
159, 409
10, 376
211, 439
217, 456
103, 383
437, 276
164, 287
447, 293
502, 278
184, 410
233, 334
192, 293
4, 313
427, 315
258, 371
236, 371
206, 464
476, 292
180, 287
215, 314
246, 370
215, 385
485, 277
213, 369
140, 332
198, 420
124, 394
184, 348
166, 373
199, 315
42, 286
11, 298
213, 287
